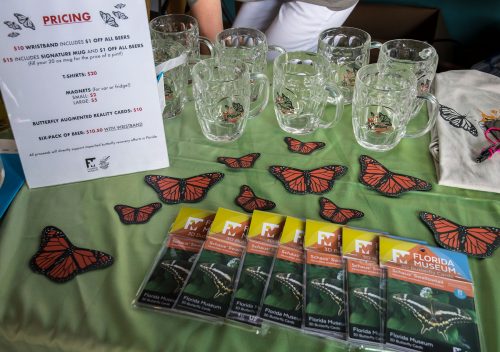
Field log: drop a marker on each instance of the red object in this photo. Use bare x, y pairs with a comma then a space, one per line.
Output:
244, 162
60, 261
317, 181
377, 177
250, 202
130, 215
306, 148
478, 241
332, 212
172, 190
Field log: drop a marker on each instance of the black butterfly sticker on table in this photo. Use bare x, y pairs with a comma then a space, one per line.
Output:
120, 15
120, 6
25, 21
108, 19
13, 34
457, 120
13, 25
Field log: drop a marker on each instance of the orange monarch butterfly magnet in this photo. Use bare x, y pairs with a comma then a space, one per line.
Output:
305, 148
60, 261
250, 202
130, 215
377, 177
332, 212
244, 162
173, 190
317, 181
475, 241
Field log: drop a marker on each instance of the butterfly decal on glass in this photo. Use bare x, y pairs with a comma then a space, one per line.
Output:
130, 215
377, 177
332, 212
25, 21
13, 34
120, 6
249, 202
60, 261
305, 148
348, 78
379, 123
476, 241
244, 162
232, 113
457, 120
316, 181
432, 314
284, 104
108, 19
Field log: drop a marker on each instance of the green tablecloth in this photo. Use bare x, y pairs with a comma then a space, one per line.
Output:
94, 312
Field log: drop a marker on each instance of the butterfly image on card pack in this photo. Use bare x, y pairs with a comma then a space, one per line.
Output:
317, 181
249, 202
475, 241
332, 212
305, 148
244, 162
457, 120
173, 190
377, 177
60, 261
130, 215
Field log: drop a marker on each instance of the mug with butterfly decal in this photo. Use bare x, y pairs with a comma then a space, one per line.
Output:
250, 46
170, 60
419, 57
382, 106
221, 89
347, 49
300, 92
183, 29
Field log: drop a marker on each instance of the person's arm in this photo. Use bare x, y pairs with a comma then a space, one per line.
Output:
209, 16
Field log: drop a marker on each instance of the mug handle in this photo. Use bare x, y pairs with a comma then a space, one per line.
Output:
432, 117
277, 48
263, 82
338, 100
207, 43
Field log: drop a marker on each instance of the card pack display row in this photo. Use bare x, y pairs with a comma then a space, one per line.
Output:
357, 286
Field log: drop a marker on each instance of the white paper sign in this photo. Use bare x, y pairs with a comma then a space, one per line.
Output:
79, 83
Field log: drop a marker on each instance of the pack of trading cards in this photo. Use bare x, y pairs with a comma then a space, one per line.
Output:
262, 242
210, 285
173, 263
283, 298
324, 310
365, 299
430, 298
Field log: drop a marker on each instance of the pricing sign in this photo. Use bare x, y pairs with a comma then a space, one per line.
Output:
78, 80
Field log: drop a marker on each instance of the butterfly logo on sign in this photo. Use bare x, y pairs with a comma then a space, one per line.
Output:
363, 247
269, 230
400, 256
